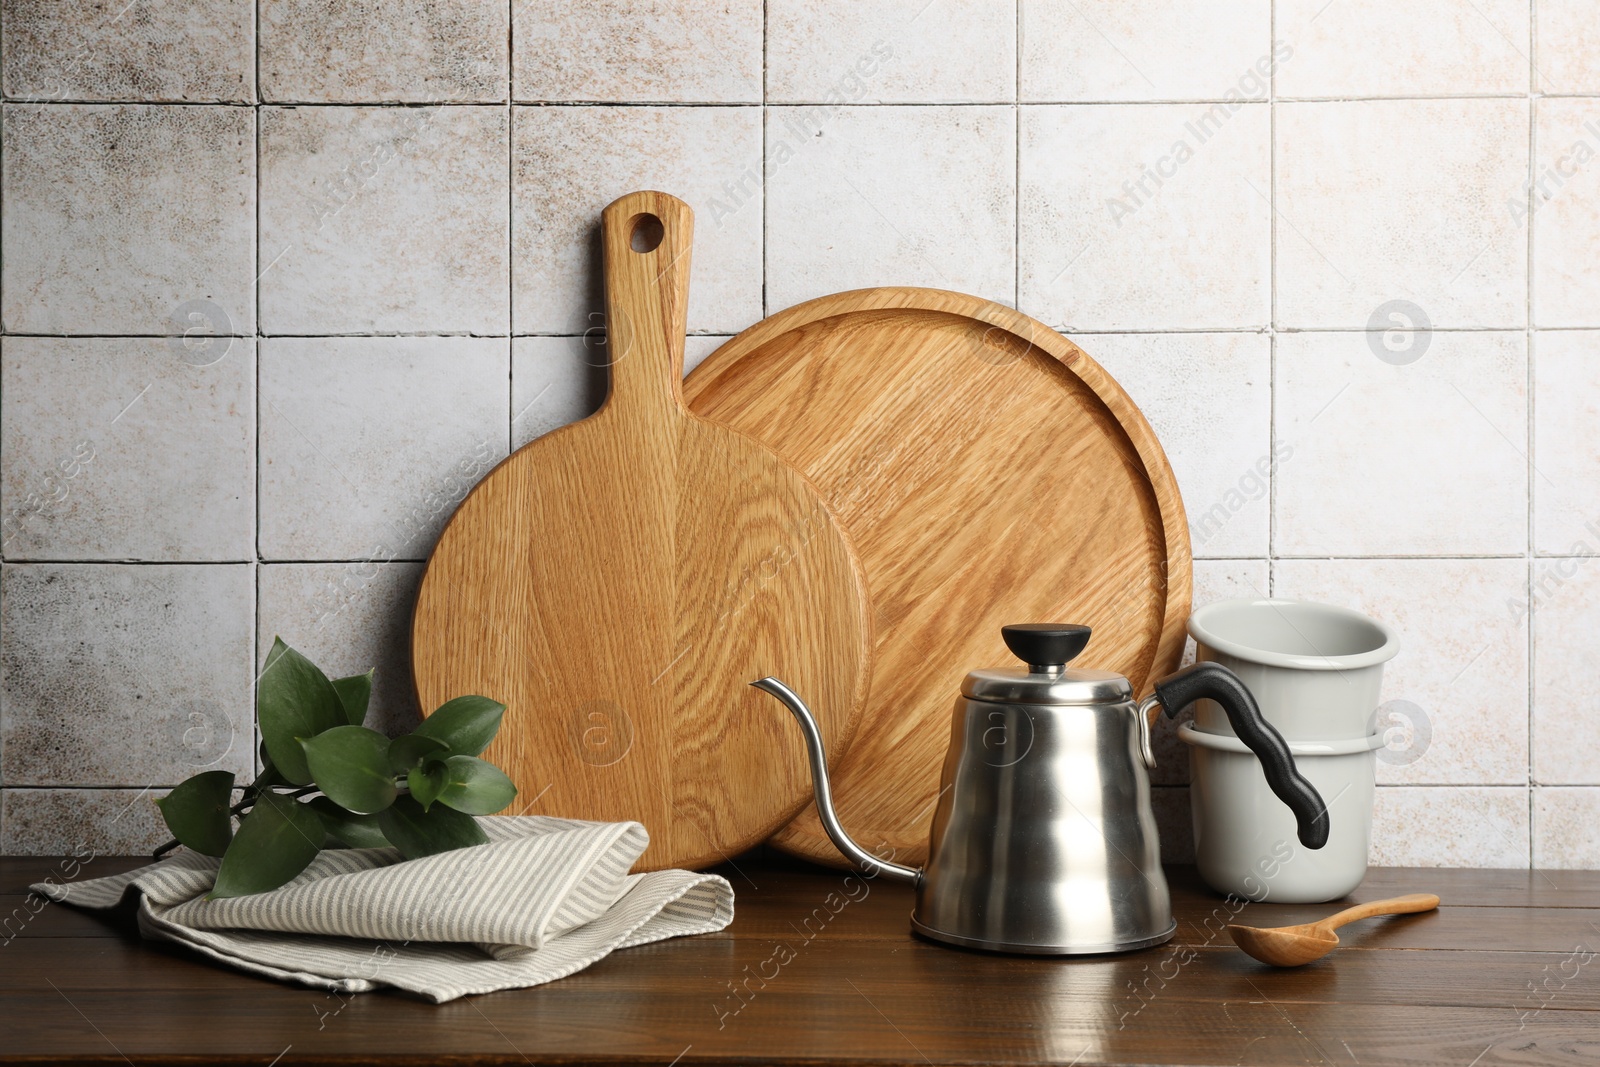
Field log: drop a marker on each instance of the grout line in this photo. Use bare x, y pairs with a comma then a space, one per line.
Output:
255, 260
1529, 357
1016, 148
1272, 300
511, 226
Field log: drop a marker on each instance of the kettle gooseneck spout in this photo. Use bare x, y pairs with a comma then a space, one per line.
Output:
863, 859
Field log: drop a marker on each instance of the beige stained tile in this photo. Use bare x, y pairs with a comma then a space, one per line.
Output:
1462, 670
1145, 216
1419, 458
1565, 204
177, 50
347, 51
1569, 46
1564, 823
124, 675
1401, 199
131, 448
1564, 595
387, 220
1566, 442
1421, 47
348, 618
1145, 50
896, 52
890, 196
1450, 827
118, 214
1209, 399
81, 824
369, 443
625, 51
570, 162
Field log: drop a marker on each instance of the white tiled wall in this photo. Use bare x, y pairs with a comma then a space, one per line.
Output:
281, 279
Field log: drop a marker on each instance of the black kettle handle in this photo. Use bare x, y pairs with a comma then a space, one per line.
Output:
1213, 681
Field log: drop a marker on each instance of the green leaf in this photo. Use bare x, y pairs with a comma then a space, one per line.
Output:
277, 839
350, 764
417, 833
466, 724
197, 812
293, 700
354, 693
425, 781
475, 786
348, 829
409, 751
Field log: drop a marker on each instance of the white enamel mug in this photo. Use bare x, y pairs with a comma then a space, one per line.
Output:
1316, 671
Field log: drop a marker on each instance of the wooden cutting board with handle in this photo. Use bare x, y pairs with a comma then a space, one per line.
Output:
987, 472
617, 583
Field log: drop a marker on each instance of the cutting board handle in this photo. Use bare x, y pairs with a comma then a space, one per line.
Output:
645, 240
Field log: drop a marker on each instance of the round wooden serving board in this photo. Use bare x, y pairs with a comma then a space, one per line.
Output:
987, 472
618, 583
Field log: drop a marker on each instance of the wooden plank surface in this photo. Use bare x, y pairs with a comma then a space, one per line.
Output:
1482, 981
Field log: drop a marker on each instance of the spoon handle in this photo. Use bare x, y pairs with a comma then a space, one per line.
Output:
1392, 906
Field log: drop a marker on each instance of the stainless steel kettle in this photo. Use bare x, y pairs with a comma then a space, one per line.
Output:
1043, 841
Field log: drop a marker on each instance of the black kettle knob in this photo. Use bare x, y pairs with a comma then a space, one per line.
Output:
1045, 647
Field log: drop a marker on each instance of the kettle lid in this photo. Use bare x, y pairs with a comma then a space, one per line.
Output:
1046, 648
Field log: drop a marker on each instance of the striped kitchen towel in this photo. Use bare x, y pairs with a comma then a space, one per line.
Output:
543, 899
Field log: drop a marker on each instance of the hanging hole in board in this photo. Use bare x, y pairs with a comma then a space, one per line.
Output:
647, 233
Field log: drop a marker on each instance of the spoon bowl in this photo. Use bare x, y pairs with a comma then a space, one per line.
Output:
1294, 946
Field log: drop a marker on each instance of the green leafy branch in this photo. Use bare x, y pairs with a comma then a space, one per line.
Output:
327, 780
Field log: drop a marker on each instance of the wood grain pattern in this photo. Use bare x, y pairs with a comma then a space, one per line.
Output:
616, 583
1496, 984
987, 472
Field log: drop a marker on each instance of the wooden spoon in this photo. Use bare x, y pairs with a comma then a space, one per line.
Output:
1292, 946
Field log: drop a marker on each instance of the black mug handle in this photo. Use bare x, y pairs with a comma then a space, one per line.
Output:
1213, 681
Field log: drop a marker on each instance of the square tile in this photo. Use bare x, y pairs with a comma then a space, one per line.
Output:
1418, 48
559, 380
570, 162
1566, 442
897, 52
369, 443
1401, 199
1455, 700
1569, 46
387, 220
619, 51
125, 675
555, 381
84, 824
1145, 50
1214, 579
1449, 827
1374, 454
1146, 216
1209, 398
348, 618
1563, 829
890, 196
344, 51
117, 215
1565, 204
178, 50
130, 448
1564, 595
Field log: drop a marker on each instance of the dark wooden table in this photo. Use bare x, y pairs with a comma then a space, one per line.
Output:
1505, 973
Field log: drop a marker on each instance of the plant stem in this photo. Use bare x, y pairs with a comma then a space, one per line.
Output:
251, 794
